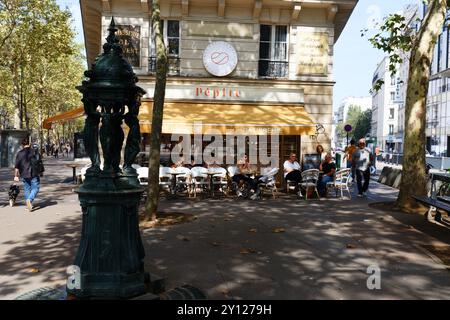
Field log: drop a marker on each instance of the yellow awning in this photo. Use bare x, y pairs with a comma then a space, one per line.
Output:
190, 118
72, 114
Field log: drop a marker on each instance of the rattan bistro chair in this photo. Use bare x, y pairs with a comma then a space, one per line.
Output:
341, 182
199, 179
165, 178
268, 181
142, 175
183, 181
220, 179
310, 179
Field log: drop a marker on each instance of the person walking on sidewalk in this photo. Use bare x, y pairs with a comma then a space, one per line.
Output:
349, 150
27, 171
362, 160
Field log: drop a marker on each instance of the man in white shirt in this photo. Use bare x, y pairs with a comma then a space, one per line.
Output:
292, 170
362, 160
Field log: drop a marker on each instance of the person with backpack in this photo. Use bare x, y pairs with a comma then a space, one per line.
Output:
29, 168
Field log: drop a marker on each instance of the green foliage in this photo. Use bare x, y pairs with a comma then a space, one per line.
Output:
40, 64
360, 122
394, 37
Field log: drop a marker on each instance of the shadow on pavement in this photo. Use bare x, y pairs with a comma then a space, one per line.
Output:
42, 257
43, 204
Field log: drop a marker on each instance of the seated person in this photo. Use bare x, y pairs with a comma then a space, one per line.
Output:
194, 164
179, 163
292, 169
243, 167
328, 168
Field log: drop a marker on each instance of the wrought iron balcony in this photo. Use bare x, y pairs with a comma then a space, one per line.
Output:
173, 67
272, 69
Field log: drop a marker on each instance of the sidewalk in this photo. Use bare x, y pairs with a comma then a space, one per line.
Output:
241, 249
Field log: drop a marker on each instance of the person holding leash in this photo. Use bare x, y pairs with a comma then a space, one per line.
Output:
27, 169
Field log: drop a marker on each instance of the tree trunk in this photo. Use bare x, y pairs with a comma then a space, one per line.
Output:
151, 206
414, 178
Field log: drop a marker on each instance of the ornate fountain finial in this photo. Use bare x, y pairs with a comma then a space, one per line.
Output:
111, 41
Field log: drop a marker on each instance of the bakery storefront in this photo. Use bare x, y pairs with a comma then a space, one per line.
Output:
259, 69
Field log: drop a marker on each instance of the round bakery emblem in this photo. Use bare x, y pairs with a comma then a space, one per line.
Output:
220, 58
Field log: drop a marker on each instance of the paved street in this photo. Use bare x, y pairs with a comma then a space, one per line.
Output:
240, 249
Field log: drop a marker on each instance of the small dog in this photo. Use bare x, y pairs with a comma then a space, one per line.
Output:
13, 193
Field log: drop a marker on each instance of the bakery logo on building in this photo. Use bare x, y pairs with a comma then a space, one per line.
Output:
220, 58
216, 93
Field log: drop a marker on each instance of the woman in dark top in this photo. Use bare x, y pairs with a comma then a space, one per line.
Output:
328, 168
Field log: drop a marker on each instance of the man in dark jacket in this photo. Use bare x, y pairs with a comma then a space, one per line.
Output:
24, 170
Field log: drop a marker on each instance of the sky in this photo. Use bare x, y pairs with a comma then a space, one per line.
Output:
354, 59
74, 7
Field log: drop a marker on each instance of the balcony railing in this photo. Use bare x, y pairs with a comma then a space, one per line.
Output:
173, 65
272, 69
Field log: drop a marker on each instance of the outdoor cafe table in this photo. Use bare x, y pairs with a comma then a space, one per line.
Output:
74, 166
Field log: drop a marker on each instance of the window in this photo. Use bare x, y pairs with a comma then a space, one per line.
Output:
171, 34
392, 96
172, 37
391, 129
273, 45
391, 113
393, 80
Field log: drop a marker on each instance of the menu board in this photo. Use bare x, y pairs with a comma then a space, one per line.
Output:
130, 38
311, 161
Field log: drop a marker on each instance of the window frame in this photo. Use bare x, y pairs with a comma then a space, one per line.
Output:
165, 26
272, 44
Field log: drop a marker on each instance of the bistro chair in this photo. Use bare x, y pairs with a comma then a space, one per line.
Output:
220, 179
142, 175
135, 166
199, 179
232, 171
183, 181
310, 179
165, 178
341, 182
268, 181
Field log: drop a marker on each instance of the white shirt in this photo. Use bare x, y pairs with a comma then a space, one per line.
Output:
361, 158
290, 166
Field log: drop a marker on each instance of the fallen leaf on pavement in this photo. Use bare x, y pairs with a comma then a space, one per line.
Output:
183, 238
34, 270
351, 246
225, 292
247, 250
278, 230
